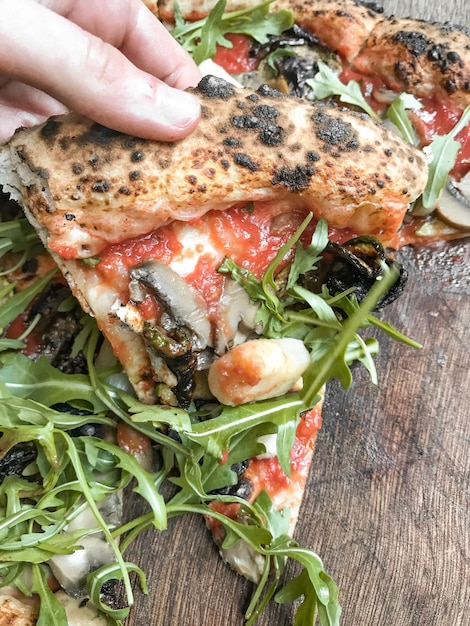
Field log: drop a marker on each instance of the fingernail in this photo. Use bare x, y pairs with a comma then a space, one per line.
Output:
176, 107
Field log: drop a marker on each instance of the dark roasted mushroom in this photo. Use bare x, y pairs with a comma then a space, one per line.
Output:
179, 339
355, 264
57, 327
288, 60
14, 462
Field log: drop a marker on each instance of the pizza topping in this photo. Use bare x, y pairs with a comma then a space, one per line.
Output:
184, 305
355, 264
258, 369
286, 62
454, 203
443, 151
95, 467
200, 37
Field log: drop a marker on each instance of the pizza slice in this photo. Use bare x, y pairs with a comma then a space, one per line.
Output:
140, 230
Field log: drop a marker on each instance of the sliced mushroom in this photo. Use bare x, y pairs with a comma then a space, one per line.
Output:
236, 316
184, 304
454, 203
71, 570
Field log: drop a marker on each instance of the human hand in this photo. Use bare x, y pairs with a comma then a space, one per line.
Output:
110, 60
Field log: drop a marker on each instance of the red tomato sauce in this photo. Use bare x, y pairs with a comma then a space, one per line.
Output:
267, 473
436, 118
236, 59
17, 327
250, 236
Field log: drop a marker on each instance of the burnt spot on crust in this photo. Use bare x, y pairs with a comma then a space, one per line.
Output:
94, 161
232, 142
450, 86
261, 117
214, 87
101, 186
134, 175
372, 7
293, 178
137, 156
313, 157
50, 129
244, 160
77, 168
99, 135
416, 43
271, 135
335, 132
246, 121
265, 112
269, 92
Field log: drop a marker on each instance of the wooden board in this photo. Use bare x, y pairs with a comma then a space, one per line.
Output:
387, 505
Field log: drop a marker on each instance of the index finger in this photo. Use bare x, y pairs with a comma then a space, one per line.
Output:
132, 28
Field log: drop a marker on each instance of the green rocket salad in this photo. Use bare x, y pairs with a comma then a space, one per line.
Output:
70, 472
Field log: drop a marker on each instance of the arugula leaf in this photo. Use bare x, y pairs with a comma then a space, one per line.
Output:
145, 486
333, 364
18, 236
306, 258
51, 612
202, 37
112, 571
16, 304
215, 434
326, 83
443, 149
396, 113
40, 381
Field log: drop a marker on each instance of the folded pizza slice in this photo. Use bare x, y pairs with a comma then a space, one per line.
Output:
140, 230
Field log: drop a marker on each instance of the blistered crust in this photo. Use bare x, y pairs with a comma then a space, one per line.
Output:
89, 186
422, 58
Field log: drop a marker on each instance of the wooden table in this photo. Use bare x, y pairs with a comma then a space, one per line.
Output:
387, 504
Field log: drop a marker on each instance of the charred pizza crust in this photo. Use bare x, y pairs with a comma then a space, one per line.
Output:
422, 58
87, 186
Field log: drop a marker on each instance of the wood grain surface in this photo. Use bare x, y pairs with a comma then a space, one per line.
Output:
387, 504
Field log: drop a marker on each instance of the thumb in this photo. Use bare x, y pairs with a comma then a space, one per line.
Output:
90, 76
